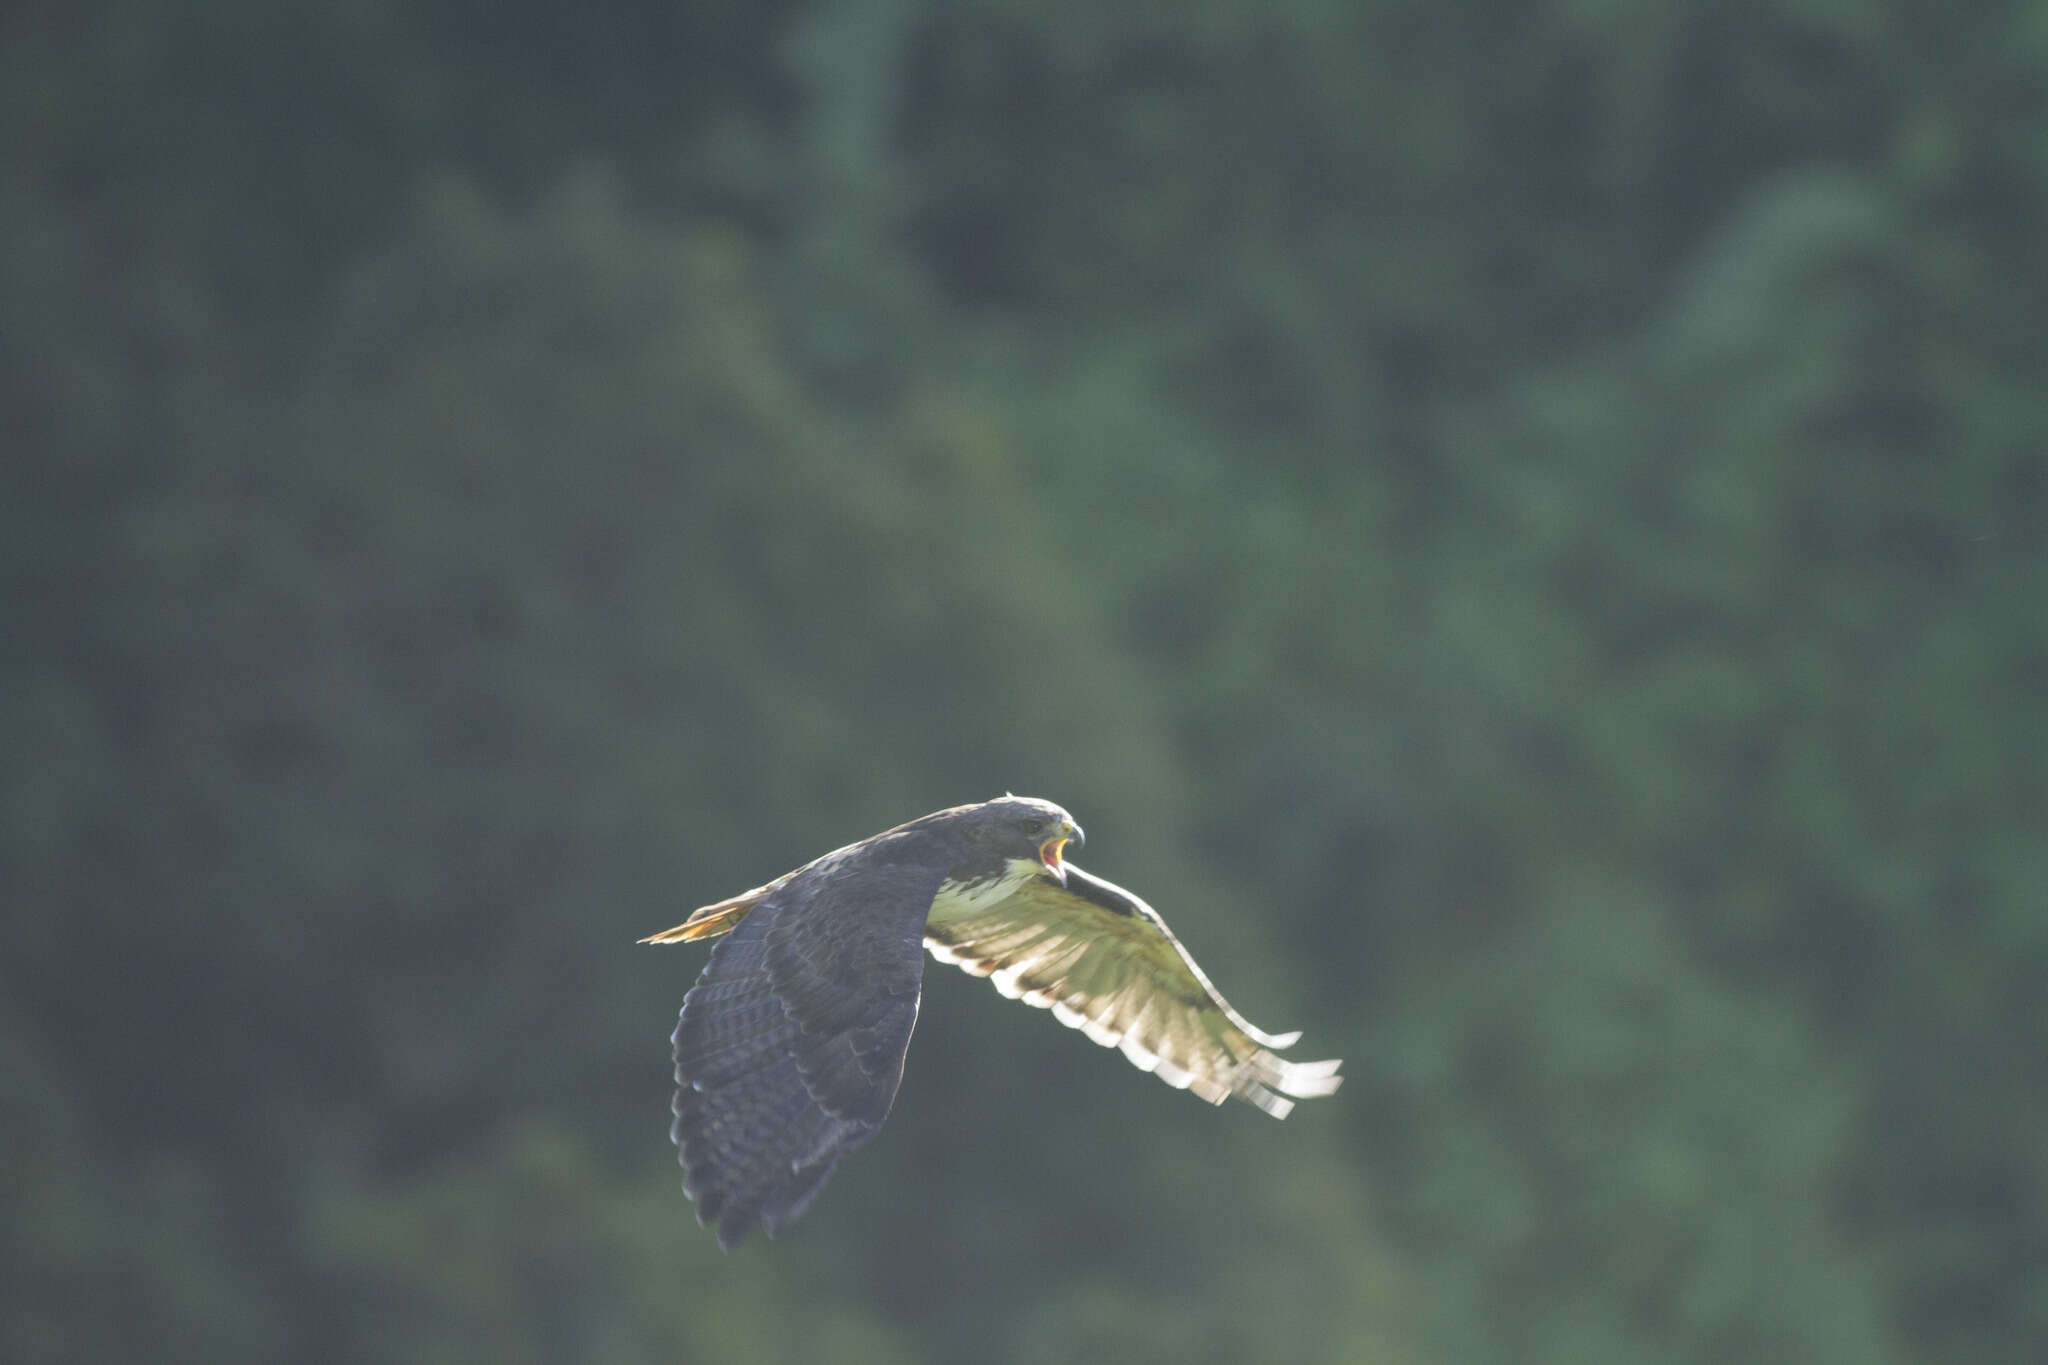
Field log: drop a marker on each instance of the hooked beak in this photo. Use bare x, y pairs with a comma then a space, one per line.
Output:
1049, 851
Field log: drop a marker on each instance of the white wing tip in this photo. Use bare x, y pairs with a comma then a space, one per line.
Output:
1073, 1018
953, 957
1006, 983
1265, 1099
1302, 1080
1102, 1034
1139, 1055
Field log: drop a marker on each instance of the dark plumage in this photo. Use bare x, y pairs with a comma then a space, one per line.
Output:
790, 1046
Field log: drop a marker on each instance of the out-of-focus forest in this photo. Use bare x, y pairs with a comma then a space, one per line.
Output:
1519, 528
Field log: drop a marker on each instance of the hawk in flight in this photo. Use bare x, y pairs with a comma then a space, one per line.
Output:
790, 1046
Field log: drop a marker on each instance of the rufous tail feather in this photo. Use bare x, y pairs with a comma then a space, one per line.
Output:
711, 920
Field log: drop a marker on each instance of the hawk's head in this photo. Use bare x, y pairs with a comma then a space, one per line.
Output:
1020, 835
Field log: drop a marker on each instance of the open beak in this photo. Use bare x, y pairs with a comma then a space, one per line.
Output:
1049, 851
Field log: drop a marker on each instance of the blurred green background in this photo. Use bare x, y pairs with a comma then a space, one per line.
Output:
1520, 528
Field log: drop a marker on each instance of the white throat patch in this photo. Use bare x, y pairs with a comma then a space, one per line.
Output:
971, 898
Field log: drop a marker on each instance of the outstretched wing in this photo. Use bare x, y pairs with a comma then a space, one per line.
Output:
1105, 963
790, 1046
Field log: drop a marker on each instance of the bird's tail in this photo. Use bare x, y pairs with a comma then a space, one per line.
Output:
712, 920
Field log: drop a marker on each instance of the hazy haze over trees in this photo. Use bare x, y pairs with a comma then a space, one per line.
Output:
1519, 529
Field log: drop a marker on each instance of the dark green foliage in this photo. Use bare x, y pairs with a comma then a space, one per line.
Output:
1519, 529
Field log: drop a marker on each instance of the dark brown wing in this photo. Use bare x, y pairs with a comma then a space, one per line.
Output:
790, 1046
1105, 963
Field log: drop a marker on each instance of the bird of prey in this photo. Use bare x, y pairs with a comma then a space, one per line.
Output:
790, 1046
